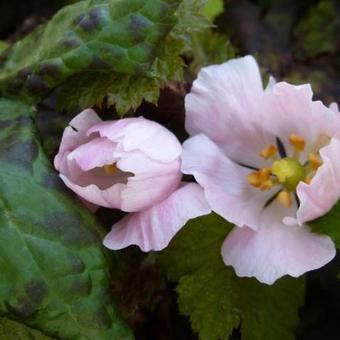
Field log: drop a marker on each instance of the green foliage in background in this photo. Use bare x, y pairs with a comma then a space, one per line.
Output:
127, 91
329, 224
317, 33
104, 35
123, 50
212, 9
216, 300
210, 47
10, 329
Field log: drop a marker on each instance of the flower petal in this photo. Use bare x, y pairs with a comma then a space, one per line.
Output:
152, 182
75, 134
224, 182
287, 109
222, 104
318, 197
143, 135
108, 198
275, 249
334, 107
153, 229
95, 153
271, 83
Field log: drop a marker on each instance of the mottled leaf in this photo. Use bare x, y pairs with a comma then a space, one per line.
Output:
216, 300
127, 92
10, 329
106, 35
54, 270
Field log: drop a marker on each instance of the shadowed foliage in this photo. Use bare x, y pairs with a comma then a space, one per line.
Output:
54, 270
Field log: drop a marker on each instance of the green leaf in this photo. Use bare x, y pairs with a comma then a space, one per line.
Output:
3, 46
54, 270
213, 8
317, 32
328, 224
127, 92
216, 300
210, 47
10, 329
97, 35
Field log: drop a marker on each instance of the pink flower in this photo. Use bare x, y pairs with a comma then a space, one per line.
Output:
268, 161
131, 164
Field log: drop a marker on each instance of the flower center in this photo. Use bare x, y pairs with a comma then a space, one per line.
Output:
289, 172
286, 172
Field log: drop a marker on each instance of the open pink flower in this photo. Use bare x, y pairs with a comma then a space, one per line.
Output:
131, 164
268, 161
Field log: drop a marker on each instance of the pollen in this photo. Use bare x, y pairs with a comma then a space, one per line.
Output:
287, 170
265, 174
314, 161
110, 169
268, 152
285, 198
308, 179
254, 179
267, 185
261, 179
297, 141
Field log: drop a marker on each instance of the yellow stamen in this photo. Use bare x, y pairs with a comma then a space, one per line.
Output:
254, 179
308, 179
287, 172
110, 169
267, 185
314, 161
268, 152
297, 141
261, 179
264, 174
285, 199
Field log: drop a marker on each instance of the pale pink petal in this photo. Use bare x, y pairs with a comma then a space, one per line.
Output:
318, 197
287, 109
143, 135
75, 134
224, 182
271, 83
153, 229
95, 153
95, 176
108, 198
84, 120
275, 249
69, 168
146, 154
152, 182
334, 107
222, 105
